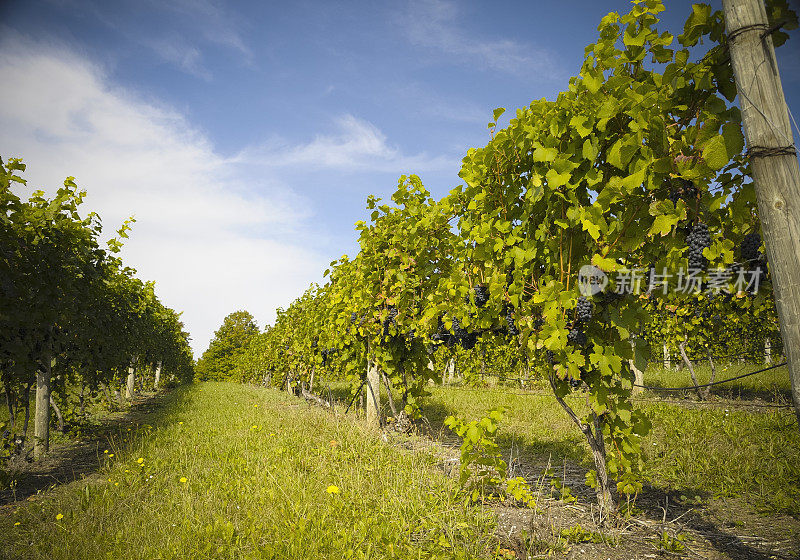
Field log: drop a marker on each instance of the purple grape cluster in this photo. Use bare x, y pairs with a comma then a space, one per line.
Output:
512, 326
697, 240
390, 320
583, 310
576, 337
750, 245
481, 295
685, 191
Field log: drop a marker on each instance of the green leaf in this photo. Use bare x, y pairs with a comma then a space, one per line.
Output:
582, 125
621, 152
662, 225
556, 179
604, 264
718, 151
593, 80
498, 112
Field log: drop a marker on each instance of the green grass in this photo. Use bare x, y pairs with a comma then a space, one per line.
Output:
767, 384
231, 471
708, 452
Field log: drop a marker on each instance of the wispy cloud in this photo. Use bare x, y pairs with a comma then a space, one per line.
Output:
356, 144
448, 108
216, 24
186, 57
433, 24
177, 31
214, 235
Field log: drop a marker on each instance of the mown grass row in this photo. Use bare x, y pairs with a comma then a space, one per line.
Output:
231, 471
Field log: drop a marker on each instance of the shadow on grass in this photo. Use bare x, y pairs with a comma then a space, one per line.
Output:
570, 460
74, 460
773, 395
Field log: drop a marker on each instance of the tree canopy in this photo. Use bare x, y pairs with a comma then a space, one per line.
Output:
228, 343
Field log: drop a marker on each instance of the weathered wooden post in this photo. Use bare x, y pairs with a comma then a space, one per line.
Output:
773, 160
373, 394
41, 421
130, 386
158, 375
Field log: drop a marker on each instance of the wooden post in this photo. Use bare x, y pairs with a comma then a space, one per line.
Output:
373, 394
41, 421
638, 379
158, 375
638, 375
666, 357
130, 386
767, 351
773, 160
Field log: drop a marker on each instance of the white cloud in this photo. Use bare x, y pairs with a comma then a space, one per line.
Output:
432, 24
212, 235
356, 145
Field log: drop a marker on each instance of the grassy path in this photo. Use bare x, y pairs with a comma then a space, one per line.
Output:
229, 471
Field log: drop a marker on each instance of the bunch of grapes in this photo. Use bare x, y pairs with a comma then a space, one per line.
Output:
750, 246
584, 310
685, 190
458, 331
512, 326
441, 333
697, 240
353, 317
481, 295
468, 341
390, 320
325, 353
576, 336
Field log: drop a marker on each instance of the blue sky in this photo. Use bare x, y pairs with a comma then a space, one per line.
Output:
246, 136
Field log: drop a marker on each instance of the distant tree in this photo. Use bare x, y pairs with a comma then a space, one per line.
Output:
229, 341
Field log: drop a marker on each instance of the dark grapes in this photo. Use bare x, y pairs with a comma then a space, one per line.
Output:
576, 337
458, 331
512, 326
584, 310
390, 320
468, 341
684, 191
750, 246
697, 240
481, 295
